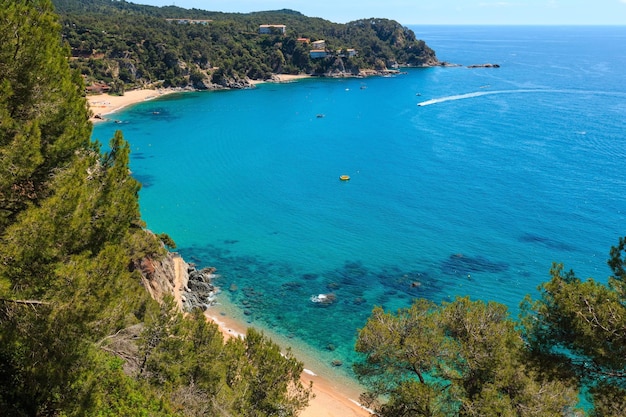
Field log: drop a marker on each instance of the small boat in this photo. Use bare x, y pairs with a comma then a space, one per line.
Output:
344, 177
319, 116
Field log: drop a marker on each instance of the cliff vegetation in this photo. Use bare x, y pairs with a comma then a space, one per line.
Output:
121, 45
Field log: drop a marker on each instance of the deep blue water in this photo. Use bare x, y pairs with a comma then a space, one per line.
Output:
499, 173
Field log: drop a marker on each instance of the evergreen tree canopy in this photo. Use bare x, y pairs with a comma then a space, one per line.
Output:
463, 358
43, 118
74, 317
469, 358
581, 325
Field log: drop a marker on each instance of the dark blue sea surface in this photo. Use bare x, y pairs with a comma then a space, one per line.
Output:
462, 181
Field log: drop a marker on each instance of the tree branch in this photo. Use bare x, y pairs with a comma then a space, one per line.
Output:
25, 302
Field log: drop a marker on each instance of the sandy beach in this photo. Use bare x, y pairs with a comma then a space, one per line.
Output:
282, 78
331, 399
102, 105
105, 104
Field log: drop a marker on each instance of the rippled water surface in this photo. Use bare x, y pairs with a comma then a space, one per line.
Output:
463, 181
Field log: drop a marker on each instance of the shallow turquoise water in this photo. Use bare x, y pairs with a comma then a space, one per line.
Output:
475, 192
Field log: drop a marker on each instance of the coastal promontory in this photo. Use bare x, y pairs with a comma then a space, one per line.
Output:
118, 46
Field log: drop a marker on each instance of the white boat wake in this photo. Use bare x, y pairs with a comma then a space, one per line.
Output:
533, 90
478, 94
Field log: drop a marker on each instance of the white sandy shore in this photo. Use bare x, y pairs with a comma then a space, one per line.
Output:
104, 104
331, 399
282, 78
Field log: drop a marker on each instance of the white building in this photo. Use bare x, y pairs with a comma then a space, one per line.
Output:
269, 29
321, 44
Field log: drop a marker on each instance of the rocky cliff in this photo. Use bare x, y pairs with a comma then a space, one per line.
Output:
191, 288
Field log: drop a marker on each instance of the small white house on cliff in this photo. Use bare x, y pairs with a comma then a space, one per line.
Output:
269, 29
321, 44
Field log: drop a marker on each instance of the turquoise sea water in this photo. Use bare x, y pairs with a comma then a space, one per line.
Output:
463, 181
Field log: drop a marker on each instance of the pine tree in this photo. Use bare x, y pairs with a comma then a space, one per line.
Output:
580, 326
463, 358
70, 236
69, 220
43, 119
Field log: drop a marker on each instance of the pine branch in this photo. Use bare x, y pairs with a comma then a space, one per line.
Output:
25, 302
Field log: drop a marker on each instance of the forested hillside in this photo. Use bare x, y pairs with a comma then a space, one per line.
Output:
127, 45
71, 243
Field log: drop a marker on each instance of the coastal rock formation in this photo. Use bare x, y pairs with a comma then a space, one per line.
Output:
200, 291
233, 83
171, 275
488, 65
158, 275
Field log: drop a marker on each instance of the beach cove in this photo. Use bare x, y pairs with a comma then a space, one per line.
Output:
102, 105
502, 172
330, 398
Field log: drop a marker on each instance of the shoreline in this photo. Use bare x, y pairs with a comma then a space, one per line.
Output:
331, 398
104, 104
282, 78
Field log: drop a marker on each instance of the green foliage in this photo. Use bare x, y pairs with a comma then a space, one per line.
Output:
609, 400
167, 240
69, 252
617, 282
468, 358
581, 326
42, 117
265, 380
128, 44
106, 391
461, 358
188, 360
71, 237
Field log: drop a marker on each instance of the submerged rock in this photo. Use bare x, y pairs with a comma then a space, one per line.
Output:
324, 299
459, 264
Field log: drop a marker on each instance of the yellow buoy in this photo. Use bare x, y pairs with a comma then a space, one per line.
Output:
344, 178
